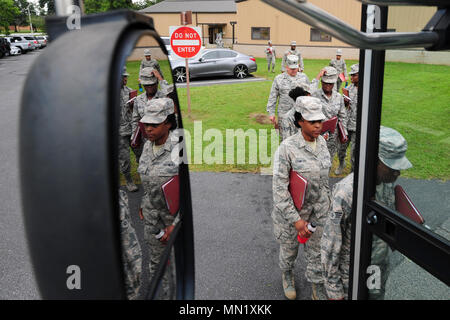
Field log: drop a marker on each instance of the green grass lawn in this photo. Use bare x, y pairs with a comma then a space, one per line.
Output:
416, 102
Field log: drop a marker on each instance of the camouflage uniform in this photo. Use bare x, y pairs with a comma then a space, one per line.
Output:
271, 57
155, 170
351, 122
333, 106
314, 165
131, 250
294, 52
336, 239
152, 63
340, 66
125, 132
147, 78
282, 84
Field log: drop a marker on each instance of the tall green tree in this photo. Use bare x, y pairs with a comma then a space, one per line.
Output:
96, 6
47, 7
8, 12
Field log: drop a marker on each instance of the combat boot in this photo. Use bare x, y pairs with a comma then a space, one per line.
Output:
318, 292
288, 285
341, 168
130, 184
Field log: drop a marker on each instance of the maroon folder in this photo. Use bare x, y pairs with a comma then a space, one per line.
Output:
297, 188
404, 205
342, 77
138, 136
171, 190
133, 94
329, 125
343, 138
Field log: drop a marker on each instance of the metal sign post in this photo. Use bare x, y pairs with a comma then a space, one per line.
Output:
186, 43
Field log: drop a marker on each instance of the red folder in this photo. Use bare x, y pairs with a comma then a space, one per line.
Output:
131, 97
342, 77
133, 94
404, 205
138, 135
329, 125
171, 190
343, 138
297, 188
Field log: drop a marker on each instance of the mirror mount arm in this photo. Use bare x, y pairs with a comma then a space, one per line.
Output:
430, 38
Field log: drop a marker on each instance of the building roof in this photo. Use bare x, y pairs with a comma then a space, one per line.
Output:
169, 6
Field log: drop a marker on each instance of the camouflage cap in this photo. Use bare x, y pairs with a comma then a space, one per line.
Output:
147, 52
292, 61
147, 77
124, 72
354, 69
310, 108
157, 110
392, 149
302, 83
339, 52
330, 75
269, 42
293, 43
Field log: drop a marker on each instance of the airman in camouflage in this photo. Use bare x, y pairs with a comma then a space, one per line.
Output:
131, 250
307, 154
335, 243
340, 66
289, 120
332, 102
282, 85
156, 167
295, 52
271, 56
125, 132
351, 106
148, 62
149, 79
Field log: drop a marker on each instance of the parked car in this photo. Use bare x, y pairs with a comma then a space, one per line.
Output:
42, 41
214, 62
34, 43
167, 43
4, 47
14, 51
23, 44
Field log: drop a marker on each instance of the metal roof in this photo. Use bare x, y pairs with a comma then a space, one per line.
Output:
169, 6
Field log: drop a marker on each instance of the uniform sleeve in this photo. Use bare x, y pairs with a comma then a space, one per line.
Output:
135, 117
300, 61
273, 97
159, 69
343, 114
283, 63
331, 245
282, 199
345, 68
314, 86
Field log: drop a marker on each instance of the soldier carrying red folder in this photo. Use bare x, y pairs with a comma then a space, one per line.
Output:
333, 104
335, 243
306, 154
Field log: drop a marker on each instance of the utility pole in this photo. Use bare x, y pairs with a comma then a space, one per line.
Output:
29, 17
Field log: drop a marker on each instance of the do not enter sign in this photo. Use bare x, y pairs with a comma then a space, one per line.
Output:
185, 42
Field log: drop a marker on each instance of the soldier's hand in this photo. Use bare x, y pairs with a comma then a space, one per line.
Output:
272, 119
157, 75
167, 232
326, 136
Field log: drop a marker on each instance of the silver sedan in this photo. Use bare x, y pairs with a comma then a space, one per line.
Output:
214, 62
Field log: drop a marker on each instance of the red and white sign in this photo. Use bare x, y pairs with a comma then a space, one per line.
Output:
185, 42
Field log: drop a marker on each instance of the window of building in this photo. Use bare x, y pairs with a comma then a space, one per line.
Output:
259, 33
317, 35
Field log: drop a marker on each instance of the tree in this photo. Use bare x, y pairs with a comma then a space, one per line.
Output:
8, 12
96, 6
142, 4
47, 7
